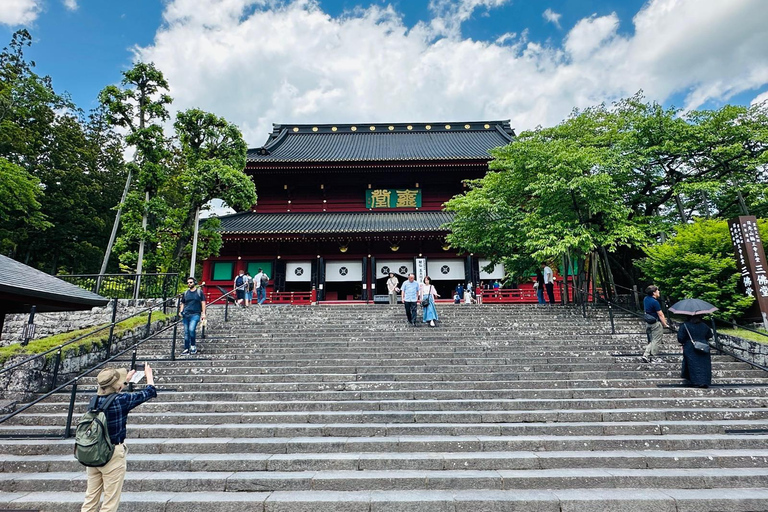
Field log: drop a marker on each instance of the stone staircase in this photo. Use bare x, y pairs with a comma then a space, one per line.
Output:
348, 408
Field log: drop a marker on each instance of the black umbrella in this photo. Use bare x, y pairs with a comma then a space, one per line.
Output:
693, 307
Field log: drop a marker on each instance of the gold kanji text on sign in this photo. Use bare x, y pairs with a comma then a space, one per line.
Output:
406, 198
380, 198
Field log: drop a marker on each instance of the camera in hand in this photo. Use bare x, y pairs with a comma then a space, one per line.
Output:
139, 373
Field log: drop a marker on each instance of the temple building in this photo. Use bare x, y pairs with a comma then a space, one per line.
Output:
341, 206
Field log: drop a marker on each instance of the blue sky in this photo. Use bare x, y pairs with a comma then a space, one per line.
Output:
262, 61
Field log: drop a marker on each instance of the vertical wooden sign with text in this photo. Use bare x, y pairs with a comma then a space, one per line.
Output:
750, 261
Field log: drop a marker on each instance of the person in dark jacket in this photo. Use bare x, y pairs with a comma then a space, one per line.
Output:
697, 365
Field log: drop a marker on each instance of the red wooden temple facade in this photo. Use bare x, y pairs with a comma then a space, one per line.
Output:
340, 206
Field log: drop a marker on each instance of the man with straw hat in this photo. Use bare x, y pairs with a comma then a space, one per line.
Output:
109, 478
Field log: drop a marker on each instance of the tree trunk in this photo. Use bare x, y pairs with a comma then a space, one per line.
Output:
609, 274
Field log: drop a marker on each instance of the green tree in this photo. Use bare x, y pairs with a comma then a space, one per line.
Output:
139, 107
698, 262
71, 158
20, 195
212, 153
611, 180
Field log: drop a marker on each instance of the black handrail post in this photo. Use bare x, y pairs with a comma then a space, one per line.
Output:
716, 335
610, 314
583, 305
226, 310
133, 367
72, 398
55, 370
112, 327
149, 323
175, 332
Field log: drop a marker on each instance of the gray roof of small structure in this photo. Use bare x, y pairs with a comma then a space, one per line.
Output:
333, 223
22, 286
382, 142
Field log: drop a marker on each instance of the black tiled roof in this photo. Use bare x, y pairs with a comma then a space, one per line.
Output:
382, 142
333, 223
22, 286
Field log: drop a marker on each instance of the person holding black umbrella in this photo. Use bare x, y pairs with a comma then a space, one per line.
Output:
694, 336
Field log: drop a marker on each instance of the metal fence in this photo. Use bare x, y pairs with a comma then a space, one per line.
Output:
127, 286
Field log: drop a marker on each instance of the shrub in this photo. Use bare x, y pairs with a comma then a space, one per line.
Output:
699, 262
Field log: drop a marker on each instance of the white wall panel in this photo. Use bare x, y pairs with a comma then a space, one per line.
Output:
445, 270
344, 271
497, 273
298, 271
399, 267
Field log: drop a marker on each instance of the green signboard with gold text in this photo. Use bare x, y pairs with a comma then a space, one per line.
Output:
393, 198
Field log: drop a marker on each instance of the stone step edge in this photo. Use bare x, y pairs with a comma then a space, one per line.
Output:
544, 500
406, 474
519, 424
396, 439
320, 456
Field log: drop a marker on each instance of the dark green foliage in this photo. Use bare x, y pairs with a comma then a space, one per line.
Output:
698, 262
612, 180
74, 162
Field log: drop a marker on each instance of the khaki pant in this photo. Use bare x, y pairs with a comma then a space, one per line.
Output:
655, 333
393, 298
109, 479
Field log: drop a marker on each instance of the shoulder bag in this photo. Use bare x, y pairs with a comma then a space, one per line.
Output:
698, 346
425, 300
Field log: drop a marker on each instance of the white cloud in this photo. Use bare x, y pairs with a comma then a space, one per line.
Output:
71, 5
590, 35
552, 17
256, 62
759, 98
450, 14
18, 12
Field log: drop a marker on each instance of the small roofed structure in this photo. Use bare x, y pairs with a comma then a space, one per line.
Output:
22, 287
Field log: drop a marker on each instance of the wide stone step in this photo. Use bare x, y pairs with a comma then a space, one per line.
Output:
409, 444
232, 382
389, 398
551, 500
403, 461
330, 480
144, 415
214, 403
288, 430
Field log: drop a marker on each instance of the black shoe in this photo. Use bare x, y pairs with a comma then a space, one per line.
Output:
645, 359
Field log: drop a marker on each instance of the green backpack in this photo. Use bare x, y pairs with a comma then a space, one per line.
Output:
93, 447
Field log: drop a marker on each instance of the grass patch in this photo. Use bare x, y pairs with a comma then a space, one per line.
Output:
84, 345
747, 335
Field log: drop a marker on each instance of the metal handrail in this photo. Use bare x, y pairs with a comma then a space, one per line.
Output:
718, 344
74, 380
79, 338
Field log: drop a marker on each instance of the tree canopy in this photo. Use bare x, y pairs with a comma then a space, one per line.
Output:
63, 169
613, 179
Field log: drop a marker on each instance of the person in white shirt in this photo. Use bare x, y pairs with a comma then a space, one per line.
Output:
261, 280
549, 282
392, 288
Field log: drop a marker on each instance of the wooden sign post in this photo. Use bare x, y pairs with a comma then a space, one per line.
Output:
751, 263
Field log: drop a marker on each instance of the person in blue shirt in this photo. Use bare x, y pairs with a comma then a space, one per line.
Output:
654, 330
459, 294
410, 292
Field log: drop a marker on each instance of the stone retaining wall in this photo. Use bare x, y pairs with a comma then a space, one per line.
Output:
48, 324
36, 376
749, 350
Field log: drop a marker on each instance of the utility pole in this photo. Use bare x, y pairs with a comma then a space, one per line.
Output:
194, 243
